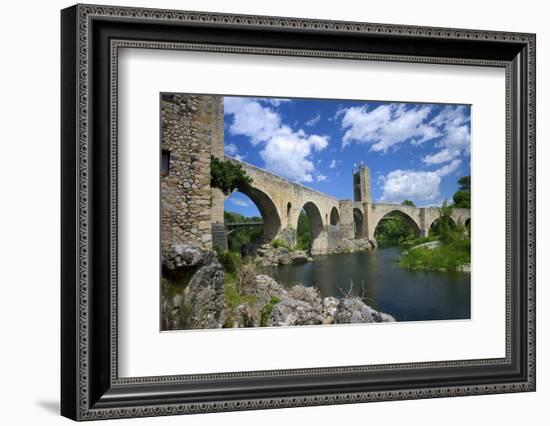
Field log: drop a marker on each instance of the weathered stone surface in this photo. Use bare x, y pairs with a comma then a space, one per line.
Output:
353, 310
191, 130
267, 255
347, 245
197, 276
330, 309
289, 312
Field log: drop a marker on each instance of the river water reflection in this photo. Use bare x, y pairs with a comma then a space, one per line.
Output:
407, 295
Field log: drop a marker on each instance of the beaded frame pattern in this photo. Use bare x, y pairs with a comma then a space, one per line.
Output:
87, 12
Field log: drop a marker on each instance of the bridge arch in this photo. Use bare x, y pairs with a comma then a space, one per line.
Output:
315, 225
358, 223
268, 211
334, 217
434, 223
403, 214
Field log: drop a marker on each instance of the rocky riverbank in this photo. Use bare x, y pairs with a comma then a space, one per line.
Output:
194, 298
269, 255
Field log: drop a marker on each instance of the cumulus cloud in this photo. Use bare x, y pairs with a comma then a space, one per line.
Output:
332, 164
418, 185
386, 125
390, 124
321, 178
454, 124
285, 151
239, 202
313, 121
232, 150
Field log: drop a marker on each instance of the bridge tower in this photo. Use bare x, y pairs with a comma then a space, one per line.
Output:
215, 121
361, 184
362, 196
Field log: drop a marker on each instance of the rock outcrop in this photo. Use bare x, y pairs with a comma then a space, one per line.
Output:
197, 296
274, 306
346, 245
267, 255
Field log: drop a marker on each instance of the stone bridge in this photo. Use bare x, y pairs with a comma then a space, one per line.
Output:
192, 211
331, 220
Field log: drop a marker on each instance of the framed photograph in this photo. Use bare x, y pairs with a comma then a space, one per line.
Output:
263, 212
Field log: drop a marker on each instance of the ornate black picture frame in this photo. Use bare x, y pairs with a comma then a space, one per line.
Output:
91, 388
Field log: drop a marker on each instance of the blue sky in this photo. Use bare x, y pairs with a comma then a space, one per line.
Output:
414, 151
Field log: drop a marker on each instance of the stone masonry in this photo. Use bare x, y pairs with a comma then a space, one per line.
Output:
186, 140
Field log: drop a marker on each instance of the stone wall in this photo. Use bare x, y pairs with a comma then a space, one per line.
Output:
187, 129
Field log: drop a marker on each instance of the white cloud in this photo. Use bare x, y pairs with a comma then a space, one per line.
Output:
321, 178
313, 121
420, 186
240, 202
232, 150
453, 122
386, 125
285, 151
390, 124
275, 101
332, 164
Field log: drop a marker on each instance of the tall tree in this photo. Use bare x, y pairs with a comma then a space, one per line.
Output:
228, 176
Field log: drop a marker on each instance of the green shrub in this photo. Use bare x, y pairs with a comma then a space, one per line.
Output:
276, 243
266, 311
230, 260
446, 257
232, 296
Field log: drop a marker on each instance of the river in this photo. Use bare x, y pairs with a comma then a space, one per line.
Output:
407, 295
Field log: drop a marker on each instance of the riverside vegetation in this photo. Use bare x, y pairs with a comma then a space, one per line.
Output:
446, 248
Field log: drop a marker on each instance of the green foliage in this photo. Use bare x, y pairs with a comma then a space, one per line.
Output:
266, 311
464, 183
407, 203
228, 176
231, 294
461, 199
242, 236
303, 232
393, 230
276, 243
230, 260
444, 225
449, 257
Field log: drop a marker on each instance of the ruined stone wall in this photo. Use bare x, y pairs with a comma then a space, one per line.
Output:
187, 129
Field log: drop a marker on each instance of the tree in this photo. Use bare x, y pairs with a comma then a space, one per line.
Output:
393, 230
303, 232
461, 199
444, 222
228, 176
407, 203
464, 183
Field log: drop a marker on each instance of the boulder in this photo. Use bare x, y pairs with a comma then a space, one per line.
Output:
205, 296
198, 276
291, 311
330, 309
352, 310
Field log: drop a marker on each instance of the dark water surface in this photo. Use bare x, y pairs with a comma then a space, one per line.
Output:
407, 295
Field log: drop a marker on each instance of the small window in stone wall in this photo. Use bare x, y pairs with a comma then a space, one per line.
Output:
165, 163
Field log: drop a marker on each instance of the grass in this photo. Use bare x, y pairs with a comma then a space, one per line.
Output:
446, 257
232, 296
276, 243
266, 311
